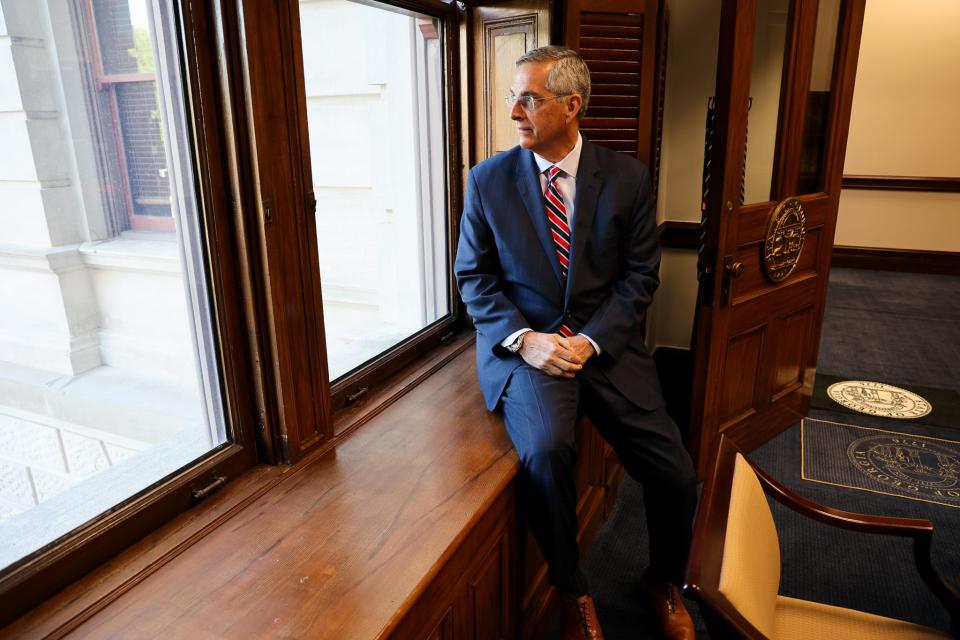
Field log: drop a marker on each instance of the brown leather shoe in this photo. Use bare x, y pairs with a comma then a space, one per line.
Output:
580, 619
673, 620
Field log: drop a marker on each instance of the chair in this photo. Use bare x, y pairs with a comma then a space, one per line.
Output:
734, 566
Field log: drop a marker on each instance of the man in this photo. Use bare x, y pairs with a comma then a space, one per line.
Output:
557, 263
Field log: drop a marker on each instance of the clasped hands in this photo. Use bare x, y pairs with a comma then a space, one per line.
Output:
554, 354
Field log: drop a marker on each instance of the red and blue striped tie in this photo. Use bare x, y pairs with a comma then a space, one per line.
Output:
559, 228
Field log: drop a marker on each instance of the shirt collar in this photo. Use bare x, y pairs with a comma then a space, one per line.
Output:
570, 162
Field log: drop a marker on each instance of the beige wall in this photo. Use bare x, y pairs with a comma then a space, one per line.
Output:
904, 123
691, 80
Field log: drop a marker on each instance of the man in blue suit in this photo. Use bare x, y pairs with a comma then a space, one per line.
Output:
557, 263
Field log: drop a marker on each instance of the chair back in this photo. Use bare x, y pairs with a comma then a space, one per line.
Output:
750, 571
734, 566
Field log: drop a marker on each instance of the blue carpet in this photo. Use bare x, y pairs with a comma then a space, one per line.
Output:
898, 328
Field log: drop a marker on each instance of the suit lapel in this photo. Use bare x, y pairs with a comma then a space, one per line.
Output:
528, 183
584, 209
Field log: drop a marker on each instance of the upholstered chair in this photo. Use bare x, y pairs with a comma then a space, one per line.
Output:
734, 568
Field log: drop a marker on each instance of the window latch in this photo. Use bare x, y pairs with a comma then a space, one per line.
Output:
213, 487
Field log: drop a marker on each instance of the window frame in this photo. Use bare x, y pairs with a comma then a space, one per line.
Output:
349, 392
205, 77
265, 294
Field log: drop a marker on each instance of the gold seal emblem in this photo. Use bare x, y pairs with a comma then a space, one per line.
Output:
878, 399
914, 465
783, 243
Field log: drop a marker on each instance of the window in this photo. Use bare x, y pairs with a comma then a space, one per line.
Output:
121, 55
111, 383
162, 264
110, 377
379, 171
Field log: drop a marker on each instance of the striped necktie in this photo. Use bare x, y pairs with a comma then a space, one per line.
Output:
559, 227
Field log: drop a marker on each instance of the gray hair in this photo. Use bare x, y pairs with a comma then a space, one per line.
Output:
568, 75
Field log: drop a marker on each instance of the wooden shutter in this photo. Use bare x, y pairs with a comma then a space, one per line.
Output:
625, 50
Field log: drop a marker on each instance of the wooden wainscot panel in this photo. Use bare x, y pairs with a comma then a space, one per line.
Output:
793, 335
473, 594
444, 629
739, 379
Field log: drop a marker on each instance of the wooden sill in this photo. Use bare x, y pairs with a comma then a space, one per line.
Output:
338, 545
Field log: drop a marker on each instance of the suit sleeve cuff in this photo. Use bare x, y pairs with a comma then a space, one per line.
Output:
596, 347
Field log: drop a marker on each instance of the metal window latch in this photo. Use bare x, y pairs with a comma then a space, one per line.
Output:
356, 396
213, 487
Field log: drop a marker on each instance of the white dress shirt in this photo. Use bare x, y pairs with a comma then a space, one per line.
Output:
567, 185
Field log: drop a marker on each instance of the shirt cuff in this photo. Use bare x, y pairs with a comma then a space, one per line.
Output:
510, 339
596, 347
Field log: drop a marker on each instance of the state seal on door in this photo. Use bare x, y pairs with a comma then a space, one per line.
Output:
786, 231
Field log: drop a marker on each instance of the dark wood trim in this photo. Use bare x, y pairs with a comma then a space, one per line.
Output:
676, 234
907, 260
902, 183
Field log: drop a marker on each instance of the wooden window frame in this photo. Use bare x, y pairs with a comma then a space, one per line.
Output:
355, 388
375, 372
206, 77
259, 380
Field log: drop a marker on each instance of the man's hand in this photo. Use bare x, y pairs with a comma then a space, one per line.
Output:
580, 346
555, 355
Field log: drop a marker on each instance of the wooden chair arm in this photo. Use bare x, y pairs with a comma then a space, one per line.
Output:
920, 530
864, 523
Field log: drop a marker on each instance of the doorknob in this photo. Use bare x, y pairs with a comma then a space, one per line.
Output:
735, 269
731, 271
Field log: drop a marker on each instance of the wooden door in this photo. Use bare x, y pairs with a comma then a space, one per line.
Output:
785, 78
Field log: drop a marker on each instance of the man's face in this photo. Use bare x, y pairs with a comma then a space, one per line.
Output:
546, 129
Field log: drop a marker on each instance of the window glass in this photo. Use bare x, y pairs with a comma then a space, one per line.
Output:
374, 91
816, 124
108, 375
766, 80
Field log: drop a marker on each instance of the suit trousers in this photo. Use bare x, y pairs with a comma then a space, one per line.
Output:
540, 413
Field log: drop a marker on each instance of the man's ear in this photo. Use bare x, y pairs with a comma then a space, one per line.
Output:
573, 106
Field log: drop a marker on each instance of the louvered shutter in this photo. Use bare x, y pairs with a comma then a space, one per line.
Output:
620, 42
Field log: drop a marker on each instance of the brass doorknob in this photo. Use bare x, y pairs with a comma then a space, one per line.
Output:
735, 269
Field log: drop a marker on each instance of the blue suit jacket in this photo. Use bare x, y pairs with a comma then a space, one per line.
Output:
509, 277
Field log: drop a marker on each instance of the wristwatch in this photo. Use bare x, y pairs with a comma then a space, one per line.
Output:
517, 344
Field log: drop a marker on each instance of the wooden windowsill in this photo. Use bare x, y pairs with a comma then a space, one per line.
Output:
339, 545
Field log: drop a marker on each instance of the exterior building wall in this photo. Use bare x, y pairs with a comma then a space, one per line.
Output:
80, 295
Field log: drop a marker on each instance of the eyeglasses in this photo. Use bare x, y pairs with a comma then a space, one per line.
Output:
529, 103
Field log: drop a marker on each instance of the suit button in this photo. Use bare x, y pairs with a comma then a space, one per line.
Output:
568, 313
